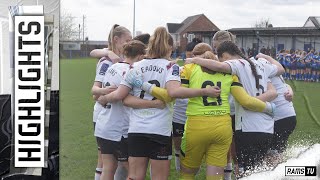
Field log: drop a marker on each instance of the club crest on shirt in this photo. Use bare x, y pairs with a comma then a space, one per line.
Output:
175, 70
103, 69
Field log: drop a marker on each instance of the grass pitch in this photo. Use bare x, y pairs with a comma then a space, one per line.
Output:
78, 151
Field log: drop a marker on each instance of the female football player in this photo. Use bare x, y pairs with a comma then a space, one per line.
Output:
254, 130
208, 131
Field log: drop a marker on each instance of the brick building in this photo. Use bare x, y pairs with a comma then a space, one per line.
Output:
194, 26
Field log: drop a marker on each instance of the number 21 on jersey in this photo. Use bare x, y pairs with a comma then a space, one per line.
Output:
205, 98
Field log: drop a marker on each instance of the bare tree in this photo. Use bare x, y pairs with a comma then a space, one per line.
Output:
263, 23
68, 29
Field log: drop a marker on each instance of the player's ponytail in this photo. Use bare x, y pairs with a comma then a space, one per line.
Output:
160, 44
110, 37
116, 30
232, 49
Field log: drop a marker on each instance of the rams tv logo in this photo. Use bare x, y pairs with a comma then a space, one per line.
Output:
29, 101
301, 170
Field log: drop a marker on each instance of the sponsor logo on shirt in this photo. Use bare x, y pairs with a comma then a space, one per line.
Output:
103, 69
216, 112
146, 113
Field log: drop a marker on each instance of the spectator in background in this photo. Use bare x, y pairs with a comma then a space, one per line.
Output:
188, 52
273, 52
174, 55
242, 50
191, 45
255, 52
183, 56
263, 50
189, 48
250, 53
292, 51
268, 51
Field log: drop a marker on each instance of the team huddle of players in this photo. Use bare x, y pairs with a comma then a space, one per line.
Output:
300, 65
220, 107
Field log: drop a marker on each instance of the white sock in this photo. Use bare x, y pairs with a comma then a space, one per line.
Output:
177, 160
97, 174
228, 171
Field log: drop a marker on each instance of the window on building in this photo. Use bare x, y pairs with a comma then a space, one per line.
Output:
206, 39
190, 37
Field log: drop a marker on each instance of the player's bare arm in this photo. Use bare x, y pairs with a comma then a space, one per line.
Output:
211, 65
245, 100
272, 61
97, 89
269, 95
138, 103
118, 94
99, 53
176, 91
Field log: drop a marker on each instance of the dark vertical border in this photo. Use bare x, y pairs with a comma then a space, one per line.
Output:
5, 133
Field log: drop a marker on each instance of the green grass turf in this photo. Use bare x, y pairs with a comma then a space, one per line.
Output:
78, 146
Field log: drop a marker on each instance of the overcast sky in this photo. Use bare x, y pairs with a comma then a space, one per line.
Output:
226, 14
